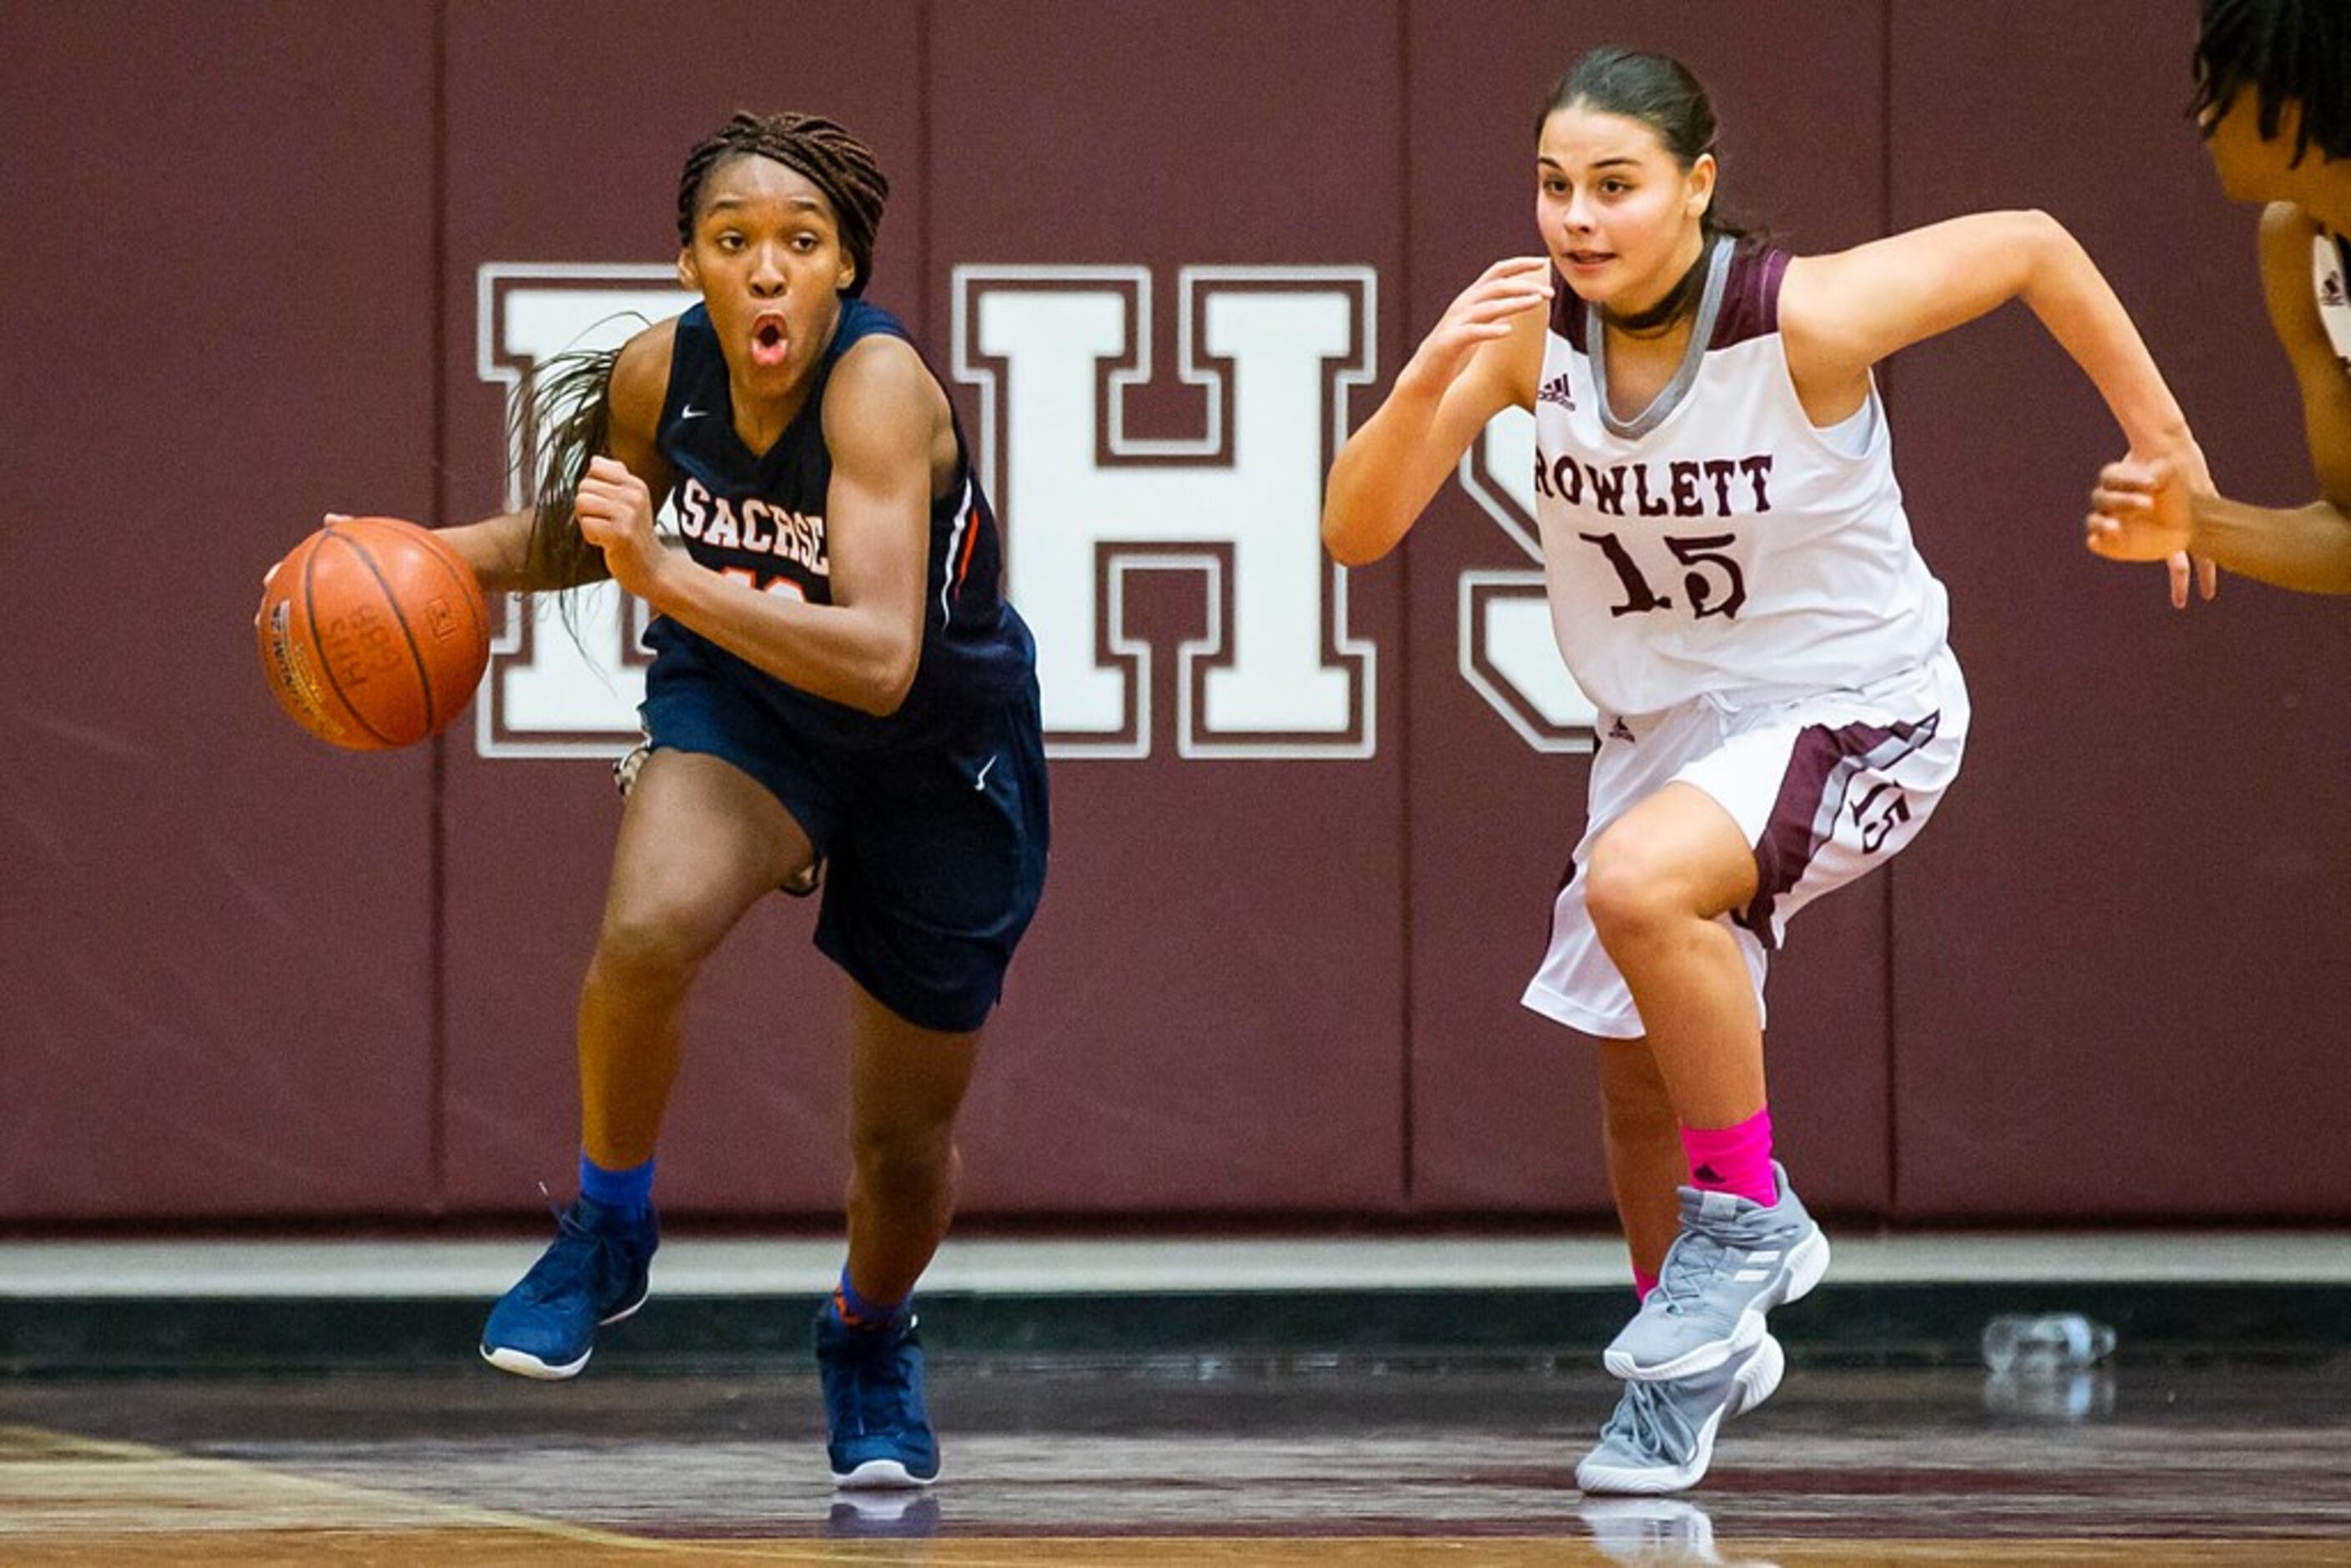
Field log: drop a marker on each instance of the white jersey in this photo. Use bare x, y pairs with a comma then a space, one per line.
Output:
2330, 276
1718, 542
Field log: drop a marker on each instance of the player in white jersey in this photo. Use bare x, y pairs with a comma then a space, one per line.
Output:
2274, 99
1733, 582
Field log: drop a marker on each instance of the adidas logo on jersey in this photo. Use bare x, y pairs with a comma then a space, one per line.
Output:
1620, 730
2330, 293
1555, 390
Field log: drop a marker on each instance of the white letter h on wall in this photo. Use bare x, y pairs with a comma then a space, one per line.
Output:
1276, 674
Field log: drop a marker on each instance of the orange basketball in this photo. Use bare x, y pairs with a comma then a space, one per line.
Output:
373, 634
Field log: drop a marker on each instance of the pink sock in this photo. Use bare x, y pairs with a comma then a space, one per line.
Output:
1734, 1159
1643, 1283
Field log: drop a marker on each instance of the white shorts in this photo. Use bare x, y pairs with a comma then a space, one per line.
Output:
1826, 787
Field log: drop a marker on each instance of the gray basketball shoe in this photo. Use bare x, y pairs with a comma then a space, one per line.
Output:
1649, 1529
1734, 1261
1661, 1437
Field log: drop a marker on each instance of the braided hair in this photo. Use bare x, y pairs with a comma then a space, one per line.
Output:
564, 411
2297, 50
564, 414
840, 166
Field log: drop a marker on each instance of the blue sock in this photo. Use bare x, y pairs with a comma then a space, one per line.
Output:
855, 1311
629, 1191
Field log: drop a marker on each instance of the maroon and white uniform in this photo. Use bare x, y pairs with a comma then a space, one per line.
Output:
1736, 591
2330, 275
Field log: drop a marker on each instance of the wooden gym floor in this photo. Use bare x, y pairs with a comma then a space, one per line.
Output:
1176, 1459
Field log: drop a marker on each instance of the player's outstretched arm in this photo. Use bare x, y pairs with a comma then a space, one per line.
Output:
1484, 354
882, 413
1843, 313
2141, 510
498, 550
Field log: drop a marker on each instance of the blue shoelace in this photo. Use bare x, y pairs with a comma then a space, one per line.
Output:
579, 1253
873, 1392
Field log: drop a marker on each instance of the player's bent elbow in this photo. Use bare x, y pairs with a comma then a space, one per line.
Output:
2038, 235
1350, 544
893, 678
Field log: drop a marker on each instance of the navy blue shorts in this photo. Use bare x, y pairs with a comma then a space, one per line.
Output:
934, 851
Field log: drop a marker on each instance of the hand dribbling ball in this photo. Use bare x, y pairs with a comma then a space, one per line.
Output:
373, 634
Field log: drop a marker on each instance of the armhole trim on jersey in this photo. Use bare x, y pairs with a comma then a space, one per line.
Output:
1881, 436
677, 391
1750, 305
1567, 310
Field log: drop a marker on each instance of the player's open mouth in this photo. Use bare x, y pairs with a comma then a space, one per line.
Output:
769, 343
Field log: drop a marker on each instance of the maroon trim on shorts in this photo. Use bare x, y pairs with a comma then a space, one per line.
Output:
1811, 793
1550, 913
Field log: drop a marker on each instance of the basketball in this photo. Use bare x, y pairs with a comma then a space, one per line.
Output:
373, 634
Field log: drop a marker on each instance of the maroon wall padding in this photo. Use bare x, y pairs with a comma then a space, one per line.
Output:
1209, 1013
218, 959
1505, 1103
249, 977
2119, 973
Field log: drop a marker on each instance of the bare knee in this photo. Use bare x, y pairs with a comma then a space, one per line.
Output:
1634, 888
651, 946
898, 1154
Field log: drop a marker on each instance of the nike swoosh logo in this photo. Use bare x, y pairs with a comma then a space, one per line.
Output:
981, 782
690, 412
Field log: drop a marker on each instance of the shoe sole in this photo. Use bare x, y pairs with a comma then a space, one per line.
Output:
1807, 1262
1648, 1529
882, 1475
522, 1363
1756, 1382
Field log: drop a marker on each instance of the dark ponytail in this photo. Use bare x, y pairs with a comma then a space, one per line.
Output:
564, 416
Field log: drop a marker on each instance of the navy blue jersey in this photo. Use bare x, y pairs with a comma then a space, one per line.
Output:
760, 519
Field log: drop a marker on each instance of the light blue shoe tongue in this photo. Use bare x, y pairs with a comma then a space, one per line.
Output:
1720, 1207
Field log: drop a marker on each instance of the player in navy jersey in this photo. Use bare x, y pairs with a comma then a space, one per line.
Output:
1733, 583
2274, 101
837, 685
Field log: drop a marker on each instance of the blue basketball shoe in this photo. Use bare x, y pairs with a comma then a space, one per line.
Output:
878, 1433
1661, 1437
1733, 1262
596, 1273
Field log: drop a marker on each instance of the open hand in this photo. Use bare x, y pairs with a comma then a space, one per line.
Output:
1481, 313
